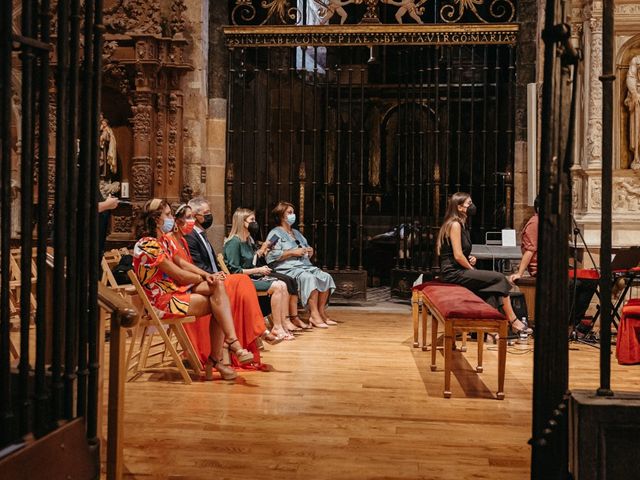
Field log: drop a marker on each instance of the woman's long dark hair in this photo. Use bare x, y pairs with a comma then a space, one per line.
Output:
147, 219
452, 215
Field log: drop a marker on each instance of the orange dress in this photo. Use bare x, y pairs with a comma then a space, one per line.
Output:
245, 309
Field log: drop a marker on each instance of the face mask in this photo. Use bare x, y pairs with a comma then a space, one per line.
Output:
188, 226
472, 210
168, 225
208, 221
253, 228
291, 218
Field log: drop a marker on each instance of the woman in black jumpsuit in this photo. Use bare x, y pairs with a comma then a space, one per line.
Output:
457, 263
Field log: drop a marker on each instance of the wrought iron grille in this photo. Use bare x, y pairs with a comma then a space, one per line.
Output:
47, 137
369, 142
320, 12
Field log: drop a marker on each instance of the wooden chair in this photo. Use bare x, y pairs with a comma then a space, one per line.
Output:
142, 348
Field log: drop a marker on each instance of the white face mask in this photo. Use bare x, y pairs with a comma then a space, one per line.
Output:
291, 218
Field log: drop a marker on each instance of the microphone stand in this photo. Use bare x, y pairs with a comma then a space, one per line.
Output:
577, 233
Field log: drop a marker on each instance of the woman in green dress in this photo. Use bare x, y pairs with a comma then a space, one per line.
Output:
241, 256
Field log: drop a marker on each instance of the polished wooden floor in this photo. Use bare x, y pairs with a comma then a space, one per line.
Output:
352, 402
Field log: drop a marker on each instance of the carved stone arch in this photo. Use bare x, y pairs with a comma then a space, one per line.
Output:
622, 154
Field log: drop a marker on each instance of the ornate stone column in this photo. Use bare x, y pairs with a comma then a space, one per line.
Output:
593, 146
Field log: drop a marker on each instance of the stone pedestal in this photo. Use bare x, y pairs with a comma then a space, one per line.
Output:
604, 434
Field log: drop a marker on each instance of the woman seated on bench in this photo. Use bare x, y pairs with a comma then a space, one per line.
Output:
178, 288
457, 263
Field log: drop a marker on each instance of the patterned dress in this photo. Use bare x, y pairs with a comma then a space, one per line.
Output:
169, 299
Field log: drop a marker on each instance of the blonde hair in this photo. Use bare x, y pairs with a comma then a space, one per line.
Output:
237, 223
452, 215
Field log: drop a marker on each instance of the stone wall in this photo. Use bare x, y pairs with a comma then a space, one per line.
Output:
587, 169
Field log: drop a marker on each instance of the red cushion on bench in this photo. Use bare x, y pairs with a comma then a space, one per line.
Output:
632, 307
456, 301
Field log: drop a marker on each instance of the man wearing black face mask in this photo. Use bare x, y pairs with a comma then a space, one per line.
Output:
202, 252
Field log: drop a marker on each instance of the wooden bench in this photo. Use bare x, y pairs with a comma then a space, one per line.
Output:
459, 310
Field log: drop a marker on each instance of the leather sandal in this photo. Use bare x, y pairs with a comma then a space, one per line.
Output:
225, 371
242, 354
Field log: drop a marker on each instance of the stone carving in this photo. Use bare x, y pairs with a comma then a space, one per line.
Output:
594, 124
632, 101
627, 9
186, 194
176, 20
133, 16
141, 173
159, 144
596, 193
626, 196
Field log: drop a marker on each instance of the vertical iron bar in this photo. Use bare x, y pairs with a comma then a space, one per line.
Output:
27, 58
301, 166
349, 161
71, 326
398, 150
254, 119
509, 158
84, 215
437, 180
485, 120
7, 416
325, 224
416, 111
362, 160
292, 133
459, 129
94, 258
60, 211
337, 162
314, 151
41, 391
243, 131
424, 107
549, 430
496, 137
446, 170
607, 176
280, 150
229, 176
472, 132
267, 140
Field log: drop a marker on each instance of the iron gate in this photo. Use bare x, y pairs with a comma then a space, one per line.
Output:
368, 131
48, 139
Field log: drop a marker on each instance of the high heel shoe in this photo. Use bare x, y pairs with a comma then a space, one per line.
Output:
522, 329
225, 371
328, 321
243, 355
272, 338
318, 325
297, 321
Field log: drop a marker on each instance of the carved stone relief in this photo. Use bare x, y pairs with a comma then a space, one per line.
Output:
594, 124
595, 194
142, 175
626, 195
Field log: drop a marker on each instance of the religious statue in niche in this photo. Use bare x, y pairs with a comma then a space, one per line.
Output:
108, 160
328, 10
413, 8
108, 154
633, 104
